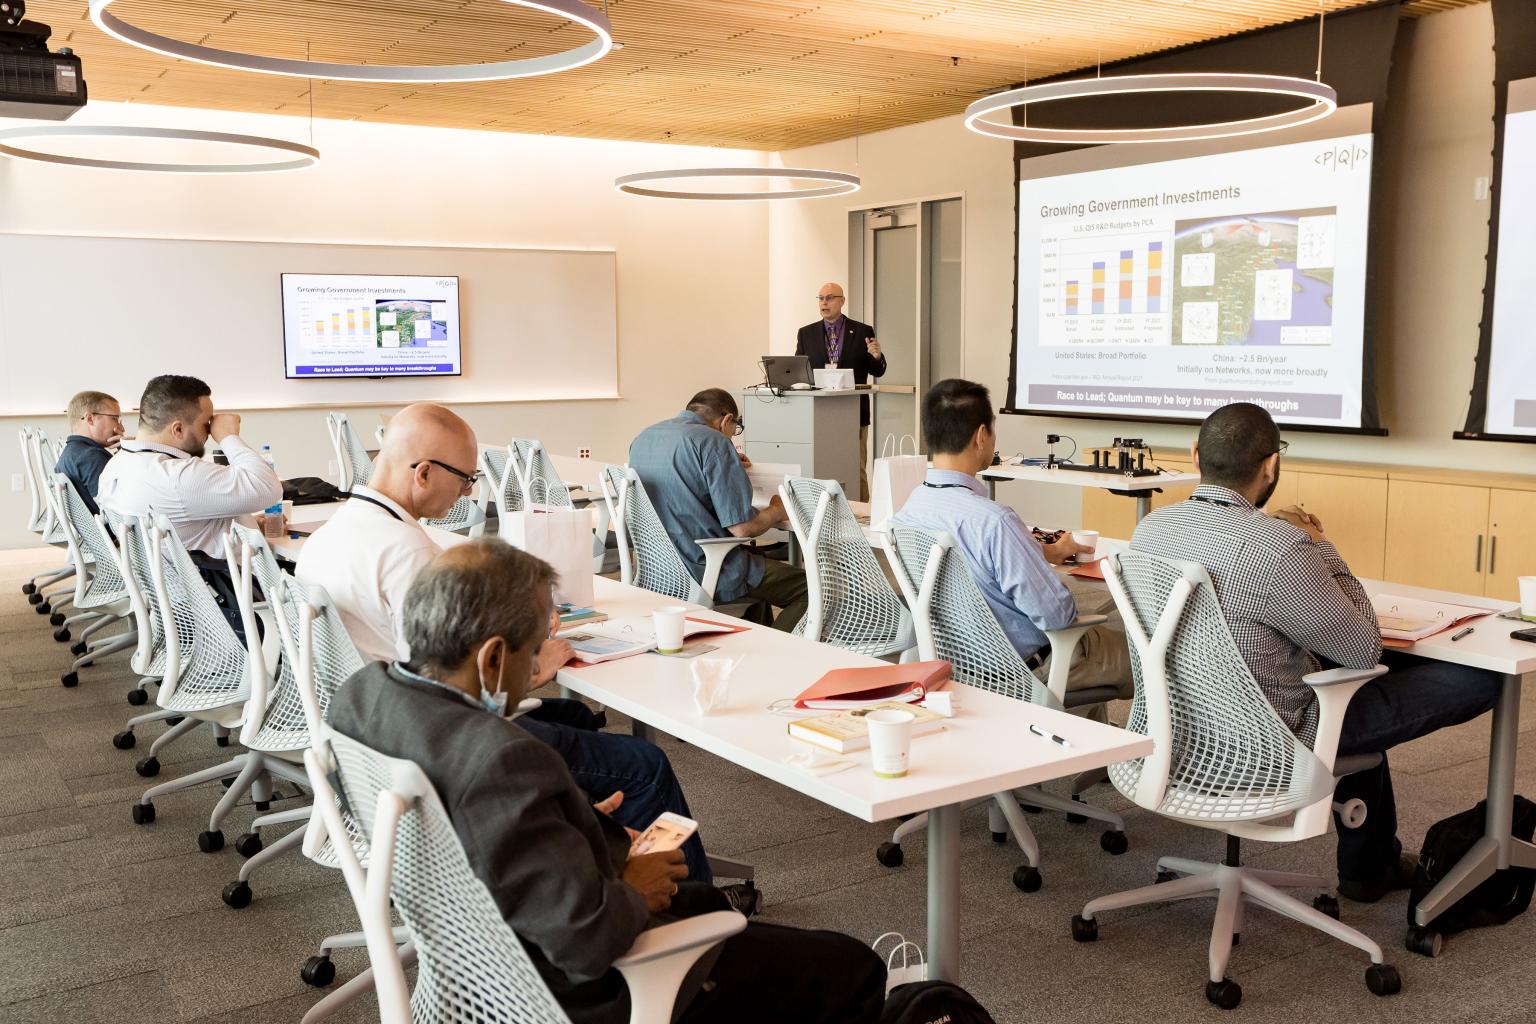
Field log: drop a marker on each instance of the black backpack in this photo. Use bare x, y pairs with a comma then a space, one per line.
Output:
311, 490
932, 1002
1499, 898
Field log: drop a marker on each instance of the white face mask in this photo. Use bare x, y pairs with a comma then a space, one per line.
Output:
495, 703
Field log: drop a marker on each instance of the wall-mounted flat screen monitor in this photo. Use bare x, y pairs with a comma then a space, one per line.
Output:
370, 325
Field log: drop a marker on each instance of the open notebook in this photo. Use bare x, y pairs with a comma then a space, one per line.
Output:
1409, 618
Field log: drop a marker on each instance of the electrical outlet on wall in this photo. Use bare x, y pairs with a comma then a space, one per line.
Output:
16, 483
583, 453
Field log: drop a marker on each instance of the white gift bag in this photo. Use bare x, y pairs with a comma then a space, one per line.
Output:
912, 966
895, 477
563, 538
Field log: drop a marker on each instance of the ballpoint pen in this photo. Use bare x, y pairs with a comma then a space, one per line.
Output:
1048, 736
1461, 634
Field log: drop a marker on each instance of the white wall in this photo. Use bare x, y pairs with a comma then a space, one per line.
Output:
1430, 279
691, 276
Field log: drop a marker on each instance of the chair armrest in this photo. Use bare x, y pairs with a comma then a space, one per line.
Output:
661, 958
1334, 688
1064, 643
1335, 676
715, 550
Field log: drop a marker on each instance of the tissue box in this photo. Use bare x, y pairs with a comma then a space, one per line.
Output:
833, 379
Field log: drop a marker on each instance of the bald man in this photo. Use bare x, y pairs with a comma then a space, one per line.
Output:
837, 341
370, 552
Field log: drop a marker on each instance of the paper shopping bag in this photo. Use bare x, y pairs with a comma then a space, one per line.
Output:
895, 477
563, 538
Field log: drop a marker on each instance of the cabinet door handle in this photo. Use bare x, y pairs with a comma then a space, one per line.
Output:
1493, 552
1478, 566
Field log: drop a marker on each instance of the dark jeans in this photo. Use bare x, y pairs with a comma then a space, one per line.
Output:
603, 763
783, 586
1417, 697
215, 573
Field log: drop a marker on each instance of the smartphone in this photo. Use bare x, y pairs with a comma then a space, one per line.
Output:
667, 832
1528, 635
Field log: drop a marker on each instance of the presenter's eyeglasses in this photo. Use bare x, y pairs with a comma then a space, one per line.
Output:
467, 480
828, 298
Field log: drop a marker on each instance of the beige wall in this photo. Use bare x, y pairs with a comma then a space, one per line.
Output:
1429, 280
691, 277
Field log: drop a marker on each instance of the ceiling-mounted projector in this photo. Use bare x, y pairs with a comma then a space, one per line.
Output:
35, 83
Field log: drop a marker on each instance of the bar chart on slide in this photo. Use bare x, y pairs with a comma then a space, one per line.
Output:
341, 322
1106, 288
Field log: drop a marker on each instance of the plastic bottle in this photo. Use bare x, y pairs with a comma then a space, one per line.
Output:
266, 456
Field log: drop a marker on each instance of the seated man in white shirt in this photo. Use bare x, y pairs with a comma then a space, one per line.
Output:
163, 470
368, 554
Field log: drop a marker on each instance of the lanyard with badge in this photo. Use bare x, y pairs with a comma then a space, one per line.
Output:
375, 501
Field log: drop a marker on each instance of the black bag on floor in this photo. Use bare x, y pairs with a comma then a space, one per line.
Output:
311, 490
932, 1002
1501, 897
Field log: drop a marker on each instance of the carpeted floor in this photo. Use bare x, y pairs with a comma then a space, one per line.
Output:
105, 920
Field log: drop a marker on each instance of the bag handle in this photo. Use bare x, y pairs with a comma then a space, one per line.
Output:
902, 944
894, 446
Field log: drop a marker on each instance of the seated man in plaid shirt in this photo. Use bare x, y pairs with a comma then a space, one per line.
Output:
1293, 605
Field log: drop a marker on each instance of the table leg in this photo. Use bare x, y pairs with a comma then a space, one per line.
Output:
992, 488
794, 549
1493, 851
1143, 504
944, 894
567, 693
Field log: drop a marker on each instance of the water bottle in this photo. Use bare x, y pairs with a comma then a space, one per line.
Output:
266, 456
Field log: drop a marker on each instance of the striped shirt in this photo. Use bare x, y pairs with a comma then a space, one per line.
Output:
1287, 599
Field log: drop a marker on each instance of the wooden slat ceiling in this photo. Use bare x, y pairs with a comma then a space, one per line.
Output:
754, 74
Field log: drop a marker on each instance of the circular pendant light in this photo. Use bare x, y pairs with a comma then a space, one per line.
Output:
1320, 99
527, 67
833, 183
292, 156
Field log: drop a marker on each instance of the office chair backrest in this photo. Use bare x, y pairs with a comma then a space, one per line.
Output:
953, 620
97, 581
542, 485
36, 504
647, 557
139, 583
39, 460
1220, 750
852, 605
471, 968
213, 673
351, 456
493, 463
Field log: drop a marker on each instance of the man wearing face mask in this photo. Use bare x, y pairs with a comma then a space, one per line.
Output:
561, 870
1292, 604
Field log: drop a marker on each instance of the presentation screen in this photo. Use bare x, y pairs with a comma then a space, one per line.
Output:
370, 325
1512, 357
1165, 290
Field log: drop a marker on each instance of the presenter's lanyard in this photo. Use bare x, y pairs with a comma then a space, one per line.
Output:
375, 501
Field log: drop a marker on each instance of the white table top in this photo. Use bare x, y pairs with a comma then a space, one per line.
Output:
985, 749
1077, 478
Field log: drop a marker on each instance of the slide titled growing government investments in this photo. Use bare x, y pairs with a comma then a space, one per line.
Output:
368, 325
1234, 277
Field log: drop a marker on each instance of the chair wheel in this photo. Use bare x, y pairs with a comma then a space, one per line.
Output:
138, 698
56, 619
263, 805
1225, 993
1165, 876
29, 588
1113, 842
999, 837
1424, 941
222, 741
34, 598
1383, 980
143, 814
248, 844
174, 720
1026, 878
318, 971
1076, 819
889, 854
149, 767
210, 842
62, 636
1237, 939
237, 895
43, 609
70, 679
124, 740
1029, 808
77, 648
1084, 929
1327, 904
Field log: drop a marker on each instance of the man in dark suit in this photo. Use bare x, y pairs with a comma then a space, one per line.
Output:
562, 871
836, 341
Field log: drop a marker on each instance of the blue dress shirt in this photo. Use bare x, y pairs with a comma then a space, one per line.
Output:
695, 479
1005, 560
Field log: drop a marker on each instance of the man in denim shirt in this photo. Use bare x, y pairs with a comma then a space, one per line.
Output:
96, 424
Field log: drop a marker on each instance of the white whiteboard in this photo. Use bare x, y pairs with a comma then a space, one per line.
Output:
109, 313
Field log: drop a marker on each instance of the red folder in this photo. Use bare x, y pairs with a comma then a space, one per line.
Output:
853, 687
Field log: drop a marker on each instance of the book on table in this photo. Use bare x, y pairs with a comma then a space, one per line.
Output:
595, 648
845, 688
571, 617
1409, 618
847, 731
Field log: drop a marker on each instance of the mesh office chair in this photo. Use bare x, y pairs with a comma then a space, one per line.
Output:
1223, 759
493, 465
352, 458
852, 605
542, 484
45, 524
148, 659
101, 594
471, 967
954, 623
37, 512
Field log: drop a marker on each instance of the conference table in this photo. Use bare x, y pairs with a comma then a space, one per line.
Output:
1140, 486
985, 749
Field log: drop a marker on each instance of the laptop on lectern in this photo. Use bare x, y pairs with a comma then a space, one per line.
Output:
786, 371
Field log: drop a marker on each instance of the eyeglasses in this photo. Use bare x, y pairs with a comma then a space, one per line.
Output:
107, 415
827, 298
741, 427
1284, 447
468, 480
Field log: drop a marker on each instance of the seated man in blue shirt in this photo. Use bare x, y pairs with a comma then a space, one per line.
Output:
695, 479
96, 423
1012, 569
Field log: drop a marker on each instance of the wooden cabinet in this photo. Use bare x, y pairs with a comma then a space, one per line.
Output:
1511, 541
1114, 515
1353, 511
1435, 535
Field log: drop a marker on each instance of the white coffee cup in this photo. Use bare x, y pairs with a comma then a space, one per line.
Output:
711, 684
1089, 539
1528, 596
669, 628
890, 741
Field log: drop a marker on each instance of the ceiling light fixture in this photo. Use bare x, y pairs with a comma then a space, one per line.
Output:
527, 67
298, 156
834, 183
1321, 101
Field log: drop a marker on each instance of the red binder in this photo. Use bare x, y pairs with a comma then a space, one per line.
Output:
854, 687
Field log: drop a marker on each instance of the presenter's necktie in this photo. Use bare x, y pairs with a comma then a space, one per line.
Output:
834, 344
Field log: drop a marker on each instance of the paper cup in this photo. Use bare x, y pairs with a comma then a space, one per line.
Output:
669, 628
890, 741
1090, 538
1528, 596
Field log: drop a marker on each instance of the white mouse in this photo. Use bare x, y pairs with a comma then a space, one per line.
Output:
800, 386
